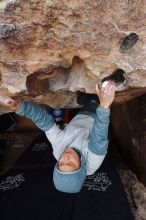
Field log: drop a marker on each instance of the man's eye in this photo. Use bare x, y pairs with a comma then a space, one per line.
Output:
70, 163
60, 164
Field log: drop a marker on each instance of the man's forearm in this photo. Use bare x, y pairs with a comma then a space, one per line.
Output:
98, 142
36, 113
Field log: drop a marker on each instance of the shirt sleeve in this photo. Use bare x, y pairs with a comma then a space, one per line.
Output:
94, 161
98, 143
37, 114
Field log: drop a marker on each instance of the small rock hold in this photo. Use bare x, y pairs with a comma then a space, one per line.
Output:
117, 76
129, 42
6, 29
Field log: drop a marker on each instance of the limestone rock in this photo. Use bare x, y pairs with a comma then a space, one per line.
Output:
68, 45
136, 193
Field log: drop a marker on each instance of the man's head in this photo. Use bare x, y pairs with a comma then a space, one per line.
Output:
69, 160
70, 171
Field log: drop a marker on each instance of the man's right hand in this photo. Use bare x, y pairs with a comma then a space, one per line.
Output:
9, 102
106, 94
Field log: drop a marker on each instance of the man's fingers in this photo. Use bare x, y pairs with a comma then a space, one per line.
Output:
9, 102
107, 88
110, 89
113, 89
97, 89
6, 100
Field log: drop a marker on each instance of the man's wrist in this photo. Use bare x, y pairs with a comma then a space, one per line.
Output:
104, 106
15, 106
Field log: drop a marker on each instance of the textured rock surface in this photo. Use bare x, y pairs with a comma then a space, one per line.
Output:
129, 132
135, 190
49, 49
54, 45
136, 193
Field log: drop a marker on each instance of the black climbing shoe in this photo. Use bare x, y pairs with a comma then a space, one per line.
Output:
85, 98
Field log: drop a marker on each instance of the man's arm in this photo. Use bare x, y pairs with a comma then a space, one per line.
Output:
98, 143
34, 112
37, 114
40, 117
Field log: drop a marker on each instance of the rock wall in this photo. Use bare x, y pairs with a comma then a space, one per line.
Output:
49, 49
129, 132
55, 47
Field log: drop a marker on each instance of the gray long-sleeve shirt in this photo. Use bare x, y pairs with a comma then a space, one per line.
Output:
84, 132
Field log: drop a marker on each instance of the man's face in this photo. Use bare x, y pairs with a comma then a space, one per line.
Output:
69, 161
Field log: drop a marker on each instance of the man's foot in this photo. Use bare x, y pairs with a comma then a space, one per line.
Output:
81, 98
85, 98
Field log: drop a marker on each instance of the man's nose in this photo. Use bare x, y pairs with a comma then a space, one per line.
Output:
66, 158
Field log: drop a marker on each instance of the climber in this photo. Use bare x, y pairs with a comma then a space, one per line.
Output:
81, 146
